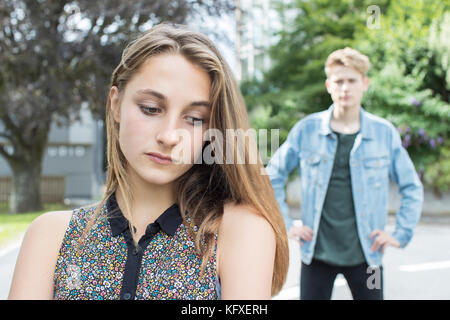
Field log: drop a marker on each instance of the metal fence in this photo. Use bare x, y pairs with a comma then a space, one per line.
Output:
52, 189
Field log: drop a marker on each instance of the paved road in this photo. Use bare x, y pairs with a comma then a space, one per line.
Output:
8, 257
420, 271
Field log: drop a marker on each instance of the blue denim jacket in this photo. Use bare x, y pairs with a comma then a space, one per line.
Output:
376, 156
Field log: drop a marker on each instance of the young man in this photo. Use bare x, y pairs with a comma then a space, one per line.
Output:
345, 157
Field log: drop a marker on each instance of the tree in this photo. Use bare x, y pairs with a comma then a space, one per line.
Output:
409, 50
57, 53
410, 55
295, 84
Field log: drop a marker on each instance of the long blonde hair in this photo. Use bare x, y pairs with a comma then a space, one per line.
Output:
204, 189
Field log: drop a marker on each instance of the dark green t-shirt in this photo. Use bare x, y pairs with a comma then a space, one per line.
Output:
337, 240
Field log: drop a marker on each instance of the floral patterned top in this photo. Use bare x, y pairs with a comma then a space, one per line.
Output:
165, 265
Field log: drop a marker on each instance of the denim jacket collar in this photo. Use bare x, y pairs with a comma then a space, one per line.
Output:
366, 130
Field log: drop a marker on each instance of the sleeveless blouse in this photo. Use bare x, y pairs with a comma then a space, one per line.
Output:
165, 265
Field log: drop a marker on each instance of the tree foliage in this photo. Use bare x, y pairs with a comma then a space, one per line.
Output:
409, 52
410, 86
295, 84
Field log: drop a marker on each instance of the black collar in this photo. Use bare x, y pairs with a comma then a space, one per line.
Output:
168, 221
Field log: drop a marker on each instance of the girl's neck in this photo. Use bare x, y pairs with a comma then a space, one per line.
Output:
148, 203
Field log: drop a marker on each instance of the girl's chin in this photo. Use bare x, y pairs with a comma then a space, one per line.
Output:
159, 175
160, 178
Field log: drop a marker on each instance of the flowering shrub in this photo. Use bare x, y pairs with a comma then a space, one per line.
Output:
422, 120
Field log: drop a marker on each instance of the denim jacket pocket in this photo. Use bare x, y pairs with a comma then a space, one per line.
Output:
310, 167
377, 170
376, 162
309, 160
313, 158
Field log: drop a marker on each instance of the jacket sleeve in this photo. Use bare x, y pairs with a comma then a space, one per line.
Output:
403, 173
285, 159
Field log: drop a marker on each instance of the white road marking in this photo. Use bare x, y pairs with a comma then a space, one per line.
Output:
425, 266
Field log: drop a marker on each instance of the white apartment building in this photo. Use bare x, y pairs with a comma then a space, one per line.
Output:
257, 24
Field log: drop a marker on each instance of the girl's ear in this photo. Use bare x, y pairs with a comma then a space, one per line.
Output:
114, 99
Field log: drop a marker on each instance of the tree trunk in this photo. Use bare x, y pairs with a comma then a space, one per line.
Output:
26, 195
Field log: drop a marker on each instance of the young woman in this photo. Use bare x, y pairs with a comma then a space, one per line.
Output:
171, 226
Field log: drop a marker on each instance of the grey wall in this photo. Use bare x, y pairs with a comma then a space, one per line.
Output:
75, 152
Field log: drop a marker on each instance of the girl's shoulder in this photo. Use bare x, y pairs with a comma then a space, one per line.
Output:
244, 228
52, 223
244, 218
57, 222
48, 230
34, 268
35, 265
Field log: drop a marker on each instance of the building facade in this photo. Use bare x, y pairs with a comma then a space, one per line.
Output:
74, 156
257, 25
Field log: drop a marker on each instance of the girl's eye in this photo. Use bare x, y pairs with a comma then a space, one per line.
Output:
195, 121
150, 110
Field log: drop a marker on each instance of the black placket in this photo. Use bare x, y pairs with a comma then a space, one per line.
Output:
168, 222
134, 260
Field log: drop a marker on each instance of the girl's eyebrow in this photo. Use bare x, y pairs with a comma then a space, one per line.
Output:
152, 93
200, 104
163, 97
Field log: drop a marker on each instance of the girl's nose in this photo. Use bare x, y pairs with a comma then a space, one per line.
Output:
168, 134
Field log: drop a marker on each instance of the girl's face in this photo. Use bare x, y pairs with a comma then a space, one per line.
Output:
163, 114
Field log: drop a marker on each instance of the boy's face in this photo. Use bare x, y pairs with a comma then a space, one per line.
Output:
346, 86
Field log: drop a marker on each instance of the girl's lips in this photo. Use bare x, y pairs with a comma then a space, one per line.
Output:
159, 158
